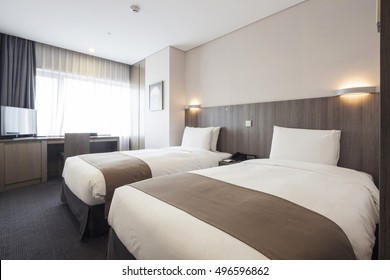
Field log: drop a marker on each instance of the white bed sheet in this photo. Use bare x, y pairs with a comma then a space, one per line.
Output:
88, 184
151, 229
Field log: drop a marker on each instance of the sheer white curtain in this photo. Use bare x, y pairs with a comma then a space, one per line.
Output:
81, 93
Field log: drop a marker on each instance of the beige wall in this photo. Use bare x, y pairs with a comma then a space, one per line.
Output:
165, 128
306, 51
157, 122
177, 96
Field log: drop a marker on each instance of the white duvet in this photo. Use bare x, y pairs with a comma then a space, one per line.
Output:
87, 182
151, 229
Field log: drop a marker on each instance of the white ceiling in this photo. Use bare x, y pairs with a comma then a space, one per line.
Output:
116, 33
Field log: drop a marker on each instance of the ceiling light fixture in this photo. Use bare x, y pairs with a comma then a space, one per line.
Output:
134, 8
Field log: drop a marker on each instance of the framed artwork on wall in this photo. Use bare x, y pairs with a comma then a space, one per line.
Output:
156, 96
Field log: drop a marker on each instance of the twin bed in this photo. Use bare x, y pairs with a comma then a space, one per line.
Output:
90, 180
296, 205
163, 231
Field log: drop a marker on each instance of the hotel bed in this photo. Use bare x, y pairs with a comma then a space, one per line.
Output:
296, 205
88, 186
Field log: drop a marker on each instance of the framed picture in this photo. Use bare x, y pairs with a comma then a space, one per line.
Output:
156, 96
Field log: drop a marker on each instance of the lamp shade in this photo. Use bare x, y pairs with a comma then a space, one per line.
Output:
355, 90
194, 106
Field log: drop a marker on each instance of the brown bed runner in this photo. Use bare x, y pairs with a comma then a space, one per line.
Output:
277, 228
118, 169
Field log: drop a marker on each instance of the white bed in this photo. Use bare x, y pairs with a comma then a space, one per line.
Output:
88, 184
84, 188
152, 229
302, 169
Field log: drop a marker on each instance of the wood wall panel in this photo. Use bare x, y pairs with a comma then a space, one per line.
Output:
384, 226
371, 138
351, 136
357, 118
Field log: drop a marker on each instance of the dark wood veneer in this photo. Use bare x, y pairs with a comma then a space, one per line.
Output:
384, 227
356, 117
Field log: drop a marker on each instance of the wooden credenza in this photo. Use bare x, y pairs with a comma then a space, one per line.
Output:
28, 161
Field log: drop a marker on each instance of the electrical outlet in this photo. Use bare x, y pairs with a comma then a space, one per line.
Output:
248, 123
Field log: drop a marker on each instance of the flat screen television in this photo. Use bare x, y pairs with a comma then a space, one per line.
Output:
17, 122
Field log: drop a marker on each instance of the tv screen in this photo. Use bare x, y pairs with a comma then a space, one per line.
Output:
18, 122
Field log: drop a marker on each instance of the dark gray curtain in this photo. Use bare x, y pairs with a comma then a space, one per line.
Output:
17, 72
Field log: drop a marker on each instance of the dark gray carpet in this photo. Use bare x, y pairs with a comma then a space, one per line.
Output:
34, 224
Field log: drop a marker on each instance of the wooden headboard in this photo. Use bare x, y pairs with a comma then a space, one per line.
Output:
357, 117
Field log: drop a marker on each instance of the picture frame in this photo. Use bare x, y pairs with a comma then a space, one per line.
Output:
156, 96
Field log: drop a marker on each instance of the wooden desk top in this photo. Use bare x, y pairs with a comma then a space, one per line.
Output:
60, 139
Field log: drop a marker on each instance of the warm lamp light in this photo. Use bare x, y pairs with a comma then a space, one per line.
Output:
355, 90
194, 106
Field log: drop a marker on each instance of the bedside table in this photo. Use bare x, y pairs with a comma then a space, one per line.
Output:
222, 163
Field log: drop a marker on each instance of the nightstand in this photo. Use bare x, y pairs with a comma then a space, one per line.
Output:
222, 163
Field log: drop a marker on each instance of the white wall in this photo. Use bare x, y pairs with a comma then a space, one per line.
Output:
157, 122
165, 128
306, 51
177, 96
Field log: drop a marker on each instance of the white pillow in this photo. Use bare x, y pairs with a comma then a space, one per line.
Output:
197, 137
317, 146
214, 138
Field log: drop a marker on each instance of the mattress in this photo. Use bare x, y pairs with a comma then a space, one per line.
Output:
160, 231
88, 184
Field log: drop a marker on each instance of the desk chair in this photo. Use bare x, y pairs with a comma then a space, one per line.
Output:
74, 144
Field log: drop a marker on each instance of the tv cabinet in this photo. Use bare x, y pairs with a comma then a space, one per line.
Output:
31, 161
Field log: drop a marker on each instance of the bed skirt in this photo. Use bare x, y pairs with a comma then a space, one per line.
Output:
115, 248
90, 218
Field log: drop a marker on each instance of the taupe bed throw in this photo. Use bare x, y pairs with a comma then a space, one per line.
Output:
118, 169
277, 228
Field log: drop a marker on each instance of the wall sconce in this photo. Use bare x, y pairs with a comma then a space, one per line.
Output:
194, 106
355, 90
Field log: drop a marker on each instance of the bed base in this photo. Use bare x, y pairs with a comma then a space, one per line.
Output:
117, 251
91, 219
115, 248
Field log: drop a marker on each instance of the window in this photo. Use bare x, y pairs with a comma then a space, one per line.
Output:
67, 101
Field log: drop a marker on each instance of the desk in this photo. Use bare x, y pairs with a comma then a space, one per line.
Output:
27, 161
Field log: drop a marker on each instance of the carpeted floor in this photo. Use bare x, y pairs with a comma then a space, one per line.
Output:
34, 224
